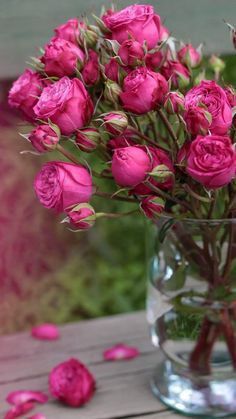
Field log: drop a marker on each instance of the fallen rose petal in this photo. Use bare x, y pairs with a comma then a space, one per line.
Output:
19, 410
119, 352
38, 416
46, 331
21, 396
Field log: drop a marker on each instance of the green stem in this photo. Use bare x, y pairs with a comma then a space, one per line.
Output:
169, 128
116, 198
67, 154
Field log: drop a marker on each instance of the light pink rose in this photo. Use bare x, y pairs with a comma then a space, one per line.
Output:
91, 71
25, 92
82, 216
45, 331
120, 352
72, 383
211, 161
112, 70
130, 166
190, 56
198, 120
214, 98
154, 60
43, 138
143, 90
70, 30
131, 53
176, 72
61, 57
152, 206
66, 103
137, 21
60, 185
22, 396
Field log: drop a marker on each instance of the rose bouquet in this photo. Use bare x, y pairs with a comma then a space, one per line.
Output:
142, 118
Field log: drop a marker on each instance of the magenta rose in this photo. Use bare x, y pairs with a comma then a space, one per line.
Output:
61, 57
211, 161
198, 120
214, 98
82, 216
143, 90
137, 21
60, 185
115, 122
231, 95
174, 103
152, 206
43, 138
112, 70
25, 92
87, 139
91, 72
70, 30
154, 60
190, 56
66, 103
72, 383
130, 166
164, 33
177, 73
124, 140
131, 53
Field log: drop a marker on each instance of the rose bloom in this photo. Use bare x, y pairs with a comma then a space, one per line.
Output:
131, 52
137, 21
60, 57
177, 72
112, 70
188, 55
211, 161
72, 383
60, 185
43, 138
70, 31
25, 92
130, 166
66, 103
143, 90
215, 99
91, 70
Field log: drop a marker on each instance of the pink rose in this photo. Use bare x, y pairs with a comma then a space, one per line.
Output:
87, 139
66, 103
211, 161
131, 53
115, 122
177, 73
214, 98
25, 92
174, 103
91, 71
112, 70
60, 185
198, 120
130, 166
82, 216
143, 90
164, 33
190, 56
43, 138
60, 57
70, 31
137, 21
152, 206
72, 383
154, 60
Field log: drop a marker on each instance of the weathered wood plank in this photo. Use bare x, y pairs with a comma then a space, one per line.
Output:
28, 24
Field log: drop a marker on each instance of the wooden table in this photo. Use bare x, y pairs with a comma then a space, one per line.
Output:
122, 386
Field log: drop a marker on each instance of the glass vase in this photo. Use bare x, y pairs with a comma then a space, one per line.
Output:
191, 309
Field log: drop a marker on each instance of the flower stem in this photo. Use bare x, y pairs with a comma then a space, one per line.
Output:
67, 154
117, 198
169, 128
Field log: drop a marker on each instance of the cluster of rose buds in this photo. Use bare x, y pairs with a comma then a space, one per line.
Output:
134, 103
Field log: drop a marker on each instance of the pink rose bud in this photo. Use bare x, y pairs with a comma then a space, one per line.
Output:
67, 104
154, 60
21, 396
46, 331
231, 95
183, 153
130, 166
131, 53
91, 71
143, 91
61, 57
120, 352
44, 138
211, 161
112, 91
25, 92
72, 383
112, 70
137, 21
214, 98
177, 73
19, 410
216, 64
115, 122
198, 120
89, 36
174, 103
152, 206
189, 56
82, 216
61, 185
70, 31
87, 139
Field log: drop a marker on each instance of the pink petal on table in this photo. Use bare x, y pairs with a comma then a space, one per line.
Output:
21, 396
19, 410
119, 352
38, 416
46, 331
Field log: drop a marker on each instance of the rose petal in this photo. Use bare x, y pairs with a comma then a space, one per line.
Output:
20, 397
46, 331
119, 352
19, 410
38, 416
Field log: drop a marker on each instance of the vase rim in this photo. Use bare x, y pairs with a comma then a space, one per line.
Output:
201, 220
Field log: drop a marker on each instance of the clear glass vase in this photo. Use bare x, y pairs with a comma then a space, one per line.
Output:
191, 309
